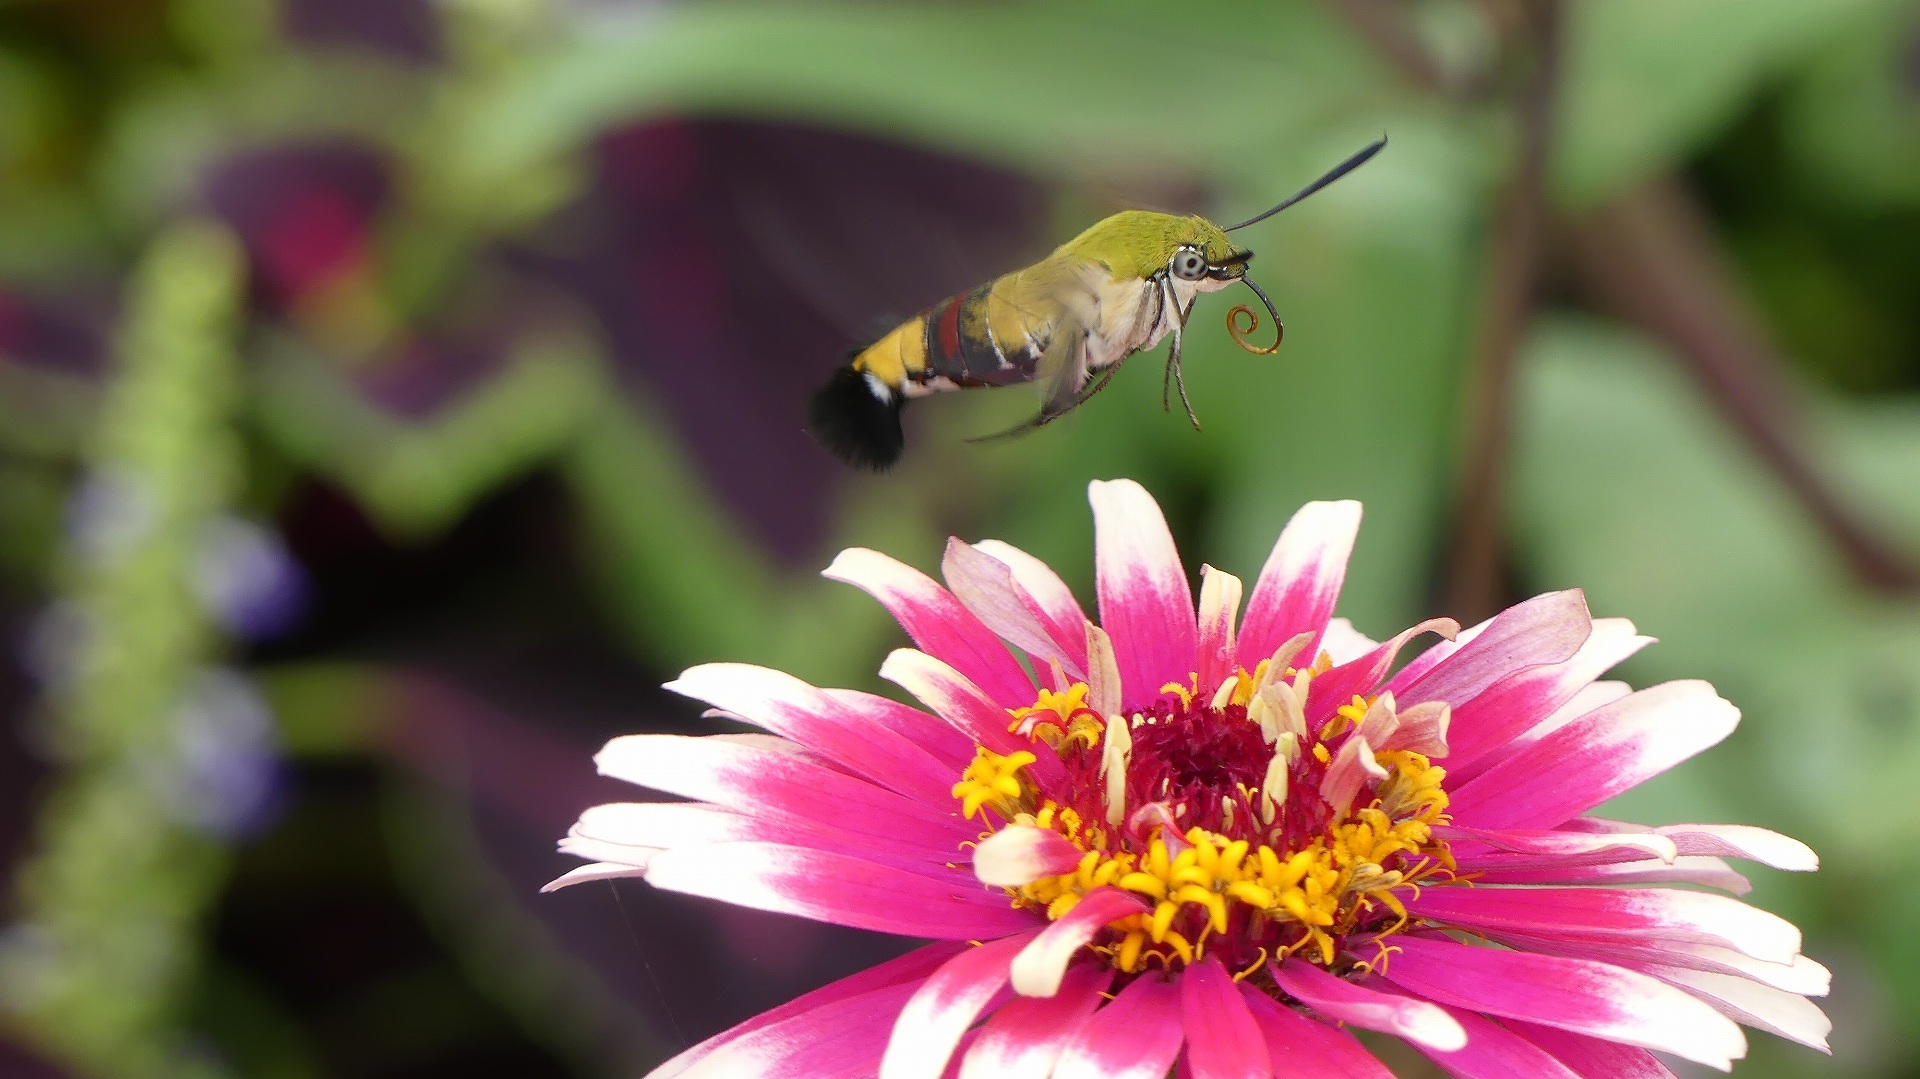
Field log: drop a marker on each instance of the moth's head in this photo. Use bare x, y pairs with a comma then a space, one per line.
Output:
1201, 251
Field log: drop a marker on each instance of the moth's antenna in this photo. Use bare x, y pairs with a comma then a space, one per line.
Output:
1338, 171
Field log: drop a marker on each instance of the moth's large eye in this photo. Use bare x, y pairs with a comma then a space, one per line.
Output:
1189, 265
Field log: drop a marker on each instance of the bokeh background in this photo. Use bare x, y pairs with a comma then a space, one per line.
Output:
393, 393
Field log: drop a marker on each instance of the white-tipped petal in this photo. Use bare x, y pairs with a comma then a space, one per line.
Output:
1040, 966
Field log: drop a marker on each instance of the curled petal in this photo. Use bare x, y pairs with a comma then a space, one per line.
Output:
1020, 854
596, 871
1362, 676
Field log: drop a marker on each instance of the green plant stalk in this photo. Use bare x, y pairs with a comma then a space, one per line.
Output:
96, 971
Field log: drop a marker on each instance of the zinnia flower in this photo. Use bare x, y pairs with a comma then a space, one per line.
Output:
1178, 843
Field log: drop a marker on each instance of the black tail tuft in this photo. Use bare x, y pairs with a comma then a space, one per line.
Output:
852, 422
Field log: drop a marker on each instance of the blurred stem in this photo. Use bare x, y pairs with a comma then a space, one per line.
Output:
1384, 24
1475, 586
1651, 258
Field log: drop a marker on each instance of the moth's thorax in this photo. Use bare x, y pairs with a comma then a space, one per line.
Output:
1139, 243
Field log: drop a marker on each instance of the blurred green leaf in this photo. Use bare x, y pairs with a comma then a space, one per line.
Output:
418, 477
1063, 86
1854, 118
1628, 486
1646, 81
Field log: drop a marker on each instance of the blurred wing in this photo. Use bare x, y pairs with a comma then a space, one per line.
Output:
1062, 377
867, 233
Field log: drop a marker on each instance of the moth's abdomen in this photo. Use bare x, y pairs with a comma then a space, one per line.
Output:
987, 336
979, 338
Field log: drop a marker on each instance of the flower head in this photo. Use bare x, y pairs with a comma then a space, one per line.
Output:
1186, 840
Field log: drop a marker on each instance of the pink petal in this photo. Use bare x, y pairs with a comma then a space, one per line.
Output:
1596, 757
1494, 1052
930, 1026
1025, 1037
1300, 583
1615, 913
837, 889
1517, 703
938, 623
1390, 1013
779, 786
1146, 605
1038, 969
1219, 606
929, 732
1593, 1058
1802, 976
1580, 995
1223, 1042
1021, 854
1135, 1037
1708, 872
1545, 629
1555, 843
909, 968
1723, 840
1763, 1007
962, 704
1045, 626
1307, 1048
840, 1040
618, 829
1588, 700
793, 709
